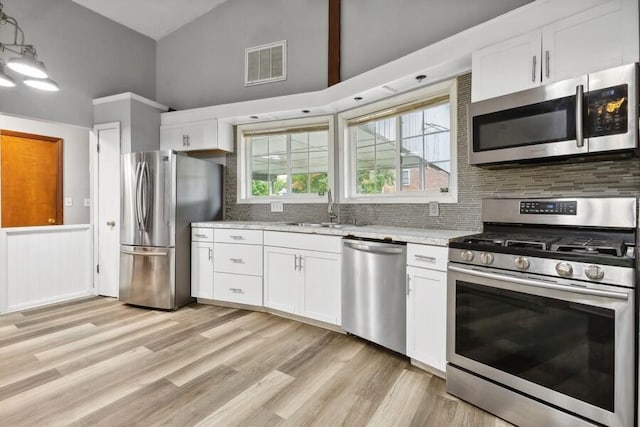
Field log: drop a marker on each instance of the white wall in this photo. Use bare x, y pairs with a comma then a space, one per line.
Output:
202, 63
88, 55
75, 146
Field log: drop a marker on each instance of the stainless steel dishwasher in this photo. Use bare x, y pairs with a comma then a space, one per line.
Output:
374, 304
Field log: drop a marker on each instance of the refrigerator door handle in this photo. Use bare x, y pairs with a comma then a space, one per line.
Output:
138, 179
145, 205
125, 251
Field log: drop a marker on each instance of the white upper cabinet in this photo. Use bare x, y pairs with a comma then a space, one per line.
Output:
201, 135
506, 67
599, 38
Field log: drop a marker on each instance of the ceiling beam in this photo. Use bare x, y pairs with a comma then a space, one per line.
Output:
333, 60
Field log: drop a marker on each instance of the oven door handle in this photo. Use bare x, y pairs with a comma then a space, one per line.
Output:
540, 284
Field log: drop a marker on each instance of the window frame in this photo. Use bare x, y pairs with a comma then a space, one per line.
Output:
347, 160
244, 160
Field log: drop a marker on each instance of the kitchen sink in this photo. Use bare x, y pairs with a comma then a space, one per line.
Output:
316, 224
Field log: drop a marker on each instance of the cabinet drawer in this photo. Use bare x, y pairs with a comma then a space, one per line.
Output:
425, 256
237, 259
312, 242
231, 235
237, 288
202, 234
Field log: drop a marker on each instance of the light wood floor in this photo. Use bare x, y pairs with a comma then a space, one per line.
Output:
99, 362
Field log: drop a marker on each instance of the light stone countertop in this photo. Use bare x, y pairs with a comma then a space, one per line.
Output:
424, 236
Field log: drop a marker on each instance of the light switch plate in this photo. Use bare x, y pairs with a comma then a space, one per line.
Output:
68, 202
87, 203
277, 207
434, 209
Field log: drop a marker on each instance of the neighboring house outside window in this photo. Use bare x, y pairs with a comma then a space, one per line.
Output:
287, 161
401, 149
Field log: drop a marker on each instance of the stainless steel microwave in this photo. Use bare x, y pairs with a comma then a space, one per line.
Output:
591, 114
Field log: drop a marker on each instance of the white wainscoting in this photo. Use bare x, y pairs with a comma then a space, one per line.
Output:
43, 265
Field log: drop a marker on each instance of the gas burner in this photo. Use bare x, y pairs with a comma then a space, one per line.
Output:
530, 242
481, 239
591, 246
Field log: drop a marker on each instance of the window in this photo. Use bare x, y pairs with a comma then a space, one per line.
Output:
288, 161
402, 149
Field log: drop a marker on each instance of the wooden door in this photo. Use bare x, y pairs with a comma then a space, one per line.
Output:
31, 179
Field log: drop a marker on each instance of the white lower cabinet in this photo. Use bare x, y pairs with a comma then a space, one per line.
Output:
302, 281
238, 288
237, 276
427, 307
202, 269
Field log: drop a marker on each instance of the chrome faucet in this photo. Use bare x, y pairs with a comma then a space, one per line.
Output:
331, 207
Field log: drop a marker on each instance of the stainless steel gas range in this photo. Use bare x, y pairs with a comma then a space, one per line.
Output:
541, 325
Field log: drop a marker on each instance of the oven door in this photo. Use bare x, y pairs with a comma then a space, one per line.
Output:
546, 121
566, 343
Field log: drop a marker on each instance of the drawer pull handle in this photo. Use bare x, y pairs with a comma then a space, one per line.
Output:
236, 260
425, 258
201, 235
236, 290
237, 237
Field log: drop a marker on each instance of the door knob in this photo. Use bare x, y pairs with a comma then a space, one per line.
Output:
111, 223
51, 221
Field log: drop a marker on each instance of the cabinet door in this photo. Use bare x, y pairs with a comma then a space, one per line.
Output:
173, 137
505, 67
202, 270
427, 316
282, 279
594, 40
321, 295
202, 135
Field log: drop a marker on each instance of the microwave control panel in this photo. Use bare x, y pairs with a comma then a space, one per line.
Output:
607, 109
549, 207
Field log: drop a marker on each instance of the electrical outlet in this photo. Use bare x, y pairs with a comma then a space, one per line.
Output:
87, 203
434, 209
68, 202
277, 207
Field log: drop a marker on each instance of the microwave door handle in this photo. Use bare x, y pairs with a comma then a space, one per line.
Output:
579, 116
544, 285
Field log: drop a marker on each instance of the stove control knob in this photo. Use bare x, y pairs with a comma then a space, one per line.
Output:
467, 256
522, 263
594, 272
564, 269
486, 258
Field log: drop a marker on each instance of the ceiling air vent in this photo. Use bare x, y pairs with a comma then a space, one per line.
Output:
265, 64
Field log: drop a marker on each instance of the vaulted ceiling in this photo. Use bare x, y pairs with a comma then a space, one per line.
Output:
153, 18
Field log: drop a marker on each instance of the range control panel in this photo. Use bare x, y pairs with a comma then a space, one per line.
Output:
549, 207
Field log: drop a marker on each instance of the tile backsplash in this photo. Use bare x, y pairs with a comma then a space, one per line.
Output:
595, 178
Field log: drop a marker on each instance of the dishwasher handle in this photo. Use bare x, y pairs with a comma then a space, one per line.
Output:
375, 248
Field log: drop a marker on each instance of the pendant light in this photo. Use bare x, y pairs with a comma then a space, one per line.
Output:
5, 80
42, 84
26, 63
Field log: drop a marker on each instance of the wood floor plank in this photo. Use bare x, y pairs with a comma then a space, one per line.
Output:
100, 362
237, 409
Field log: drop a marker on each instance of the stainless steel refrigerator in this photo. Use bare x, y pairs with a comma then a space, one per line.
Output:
162, 193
